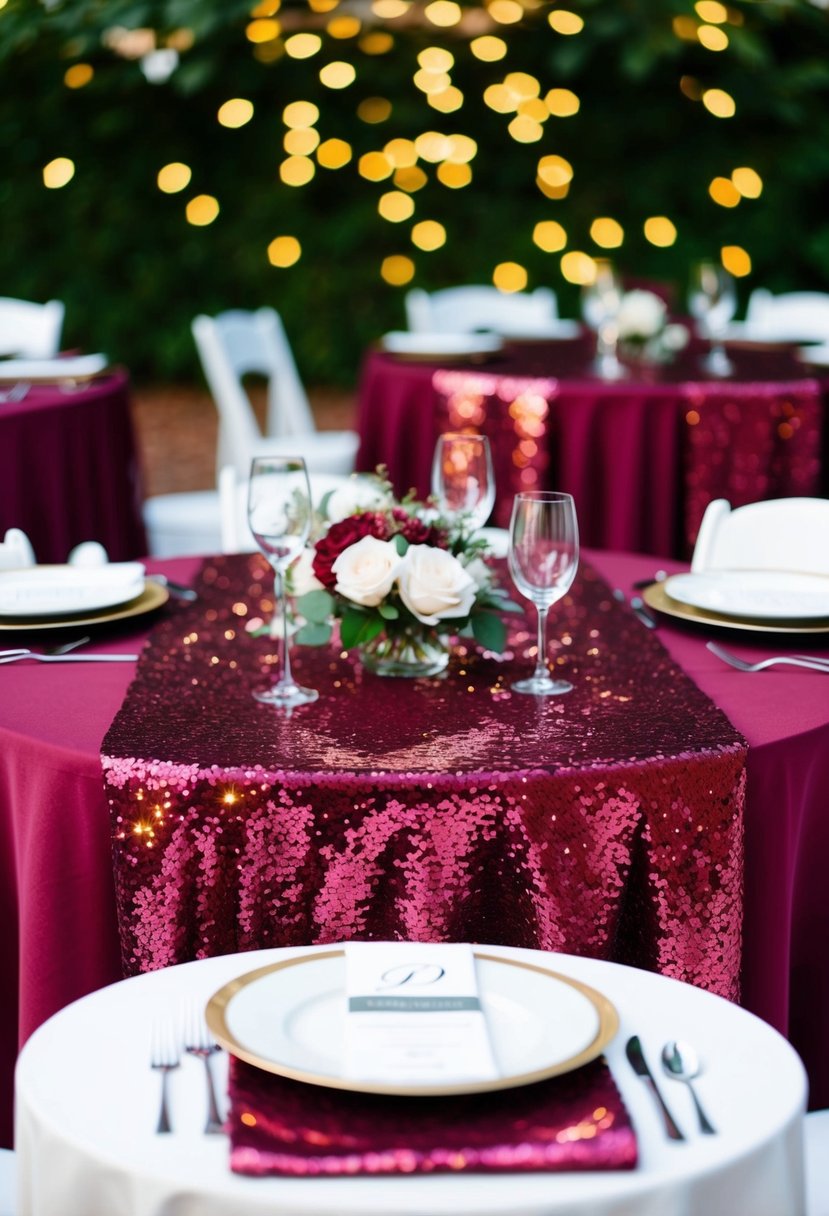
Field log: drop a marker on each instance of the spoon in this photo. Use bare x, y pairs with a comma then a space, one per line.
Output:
681, 1062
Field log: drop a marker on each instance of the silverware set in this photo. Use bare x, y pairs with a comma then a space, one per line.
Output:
168, 1039
61, 654
679, 1062
17, 392
638, 607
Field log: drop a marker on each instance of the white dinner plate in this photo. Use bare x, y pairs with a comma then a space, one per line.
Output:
767, 595
818, 356
440, 345
50, 371
39, 591
289, 1019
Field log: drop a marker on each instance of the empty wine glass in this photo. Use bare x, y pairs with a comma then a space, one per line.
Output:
279, 515
600, 302
713, 301
463, 482
543, 558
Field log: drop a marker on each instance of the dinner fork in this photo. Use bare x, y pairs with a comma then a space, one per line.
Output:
165, 1054
16, 393
68, 658
64, 649
198, 1043
810, 661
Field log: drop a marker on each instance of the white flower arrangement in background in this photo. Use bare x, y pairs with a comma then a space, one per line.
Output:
644, 329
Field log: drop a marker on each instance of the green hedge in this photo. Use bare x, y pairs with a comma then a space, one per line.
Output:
133, 271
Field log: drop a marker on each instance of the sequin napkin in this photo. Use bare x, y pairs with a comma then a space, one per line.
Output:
573, 1122
606, 823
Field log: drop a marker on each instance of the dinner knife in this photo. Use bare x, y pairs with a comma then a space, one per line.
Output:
637, 1061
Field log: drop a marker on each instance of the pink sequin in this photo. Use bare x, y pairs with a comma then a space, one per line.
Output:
607, 822
574, 1122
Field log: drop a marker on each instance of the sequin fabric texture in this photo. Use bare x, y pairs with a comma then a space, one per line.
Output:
606, 823
280, 1126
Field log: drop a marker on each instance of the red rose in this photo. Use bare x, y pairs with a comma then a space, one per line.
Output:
416, 532
340, 536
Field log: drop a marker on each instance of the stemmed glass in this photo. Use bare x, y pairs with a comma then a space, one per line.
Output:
279, 515
543, 558
713, 301
601, 301
463, 482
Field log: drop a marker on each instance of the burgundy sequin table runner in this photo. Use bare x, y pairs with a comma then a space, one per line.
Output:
605, 823
574, 1122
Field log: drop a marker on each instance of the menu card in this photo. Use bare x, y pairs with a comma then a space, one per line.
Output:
414, 1016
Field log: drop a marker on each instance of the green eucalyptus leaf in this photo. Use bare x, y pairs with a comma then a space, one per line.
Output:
401, 544
313, 634
388, 612
316, 606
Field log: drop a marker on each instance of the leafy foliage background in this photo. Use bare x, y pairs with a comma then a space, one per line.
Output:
133, 272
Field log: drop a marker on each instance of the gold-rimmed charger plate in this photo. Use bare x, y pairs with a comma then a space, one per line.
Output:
656, 597
289, 1019
152, 597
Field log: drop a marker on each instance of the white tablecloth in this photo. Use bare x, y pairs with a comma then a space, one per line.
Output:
87, 1105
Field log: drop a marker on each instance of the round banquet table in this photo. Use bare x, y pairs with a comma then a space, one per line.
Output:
57, 897
69, 470
642, 456
87, 1104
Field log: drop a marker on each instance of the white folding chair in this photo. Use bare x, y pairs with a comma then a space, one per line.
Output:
237, 343
31, 331
466, 309
816, 1151
778, 534
792, 316
183, 524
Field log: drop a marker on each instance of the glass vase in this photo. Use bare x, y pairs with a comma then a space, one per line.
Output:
410, 652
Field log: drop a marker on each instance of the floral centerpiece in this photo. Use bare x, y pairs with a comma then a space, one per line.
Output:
400, 579
644, 329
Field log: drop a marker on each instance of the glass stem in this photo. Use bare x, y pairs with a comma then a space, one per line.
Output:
542, 671
279, 591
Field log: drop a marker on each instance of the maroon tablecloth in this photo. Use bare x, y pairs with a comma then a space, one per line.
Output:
642, 457
69, 470
57, 899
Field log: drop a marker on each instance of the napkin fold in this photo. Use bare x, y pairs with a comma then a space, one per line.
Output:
279, 1126
46, 589
16, 550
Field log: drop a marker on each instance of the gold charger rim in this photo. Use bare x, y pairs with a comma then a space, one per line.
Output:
152, 597
656, 597
217, 1007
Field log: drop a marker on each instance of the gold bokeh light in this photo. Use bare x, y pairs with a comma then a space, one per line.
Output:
401, 153
202, 210
447, 101
300, 141
578, 267
555, 171
712, 37
284, 251
411, 180
429, 235
374, 166
748, 182
563, 21
505, 12
374, 110
397, 270
59, 172
174, 177
344, 27
660, 231
488, 48
338, 74
334, 153
724, 192
302, 46
300, 114
454, 175
78, 75
509, 277
263, 29
719, 103
562, 103
711, 11
436, 59
395, 206
236, 112
378, 42
736, 260
607, 233
549, 236
297, 170
443, 13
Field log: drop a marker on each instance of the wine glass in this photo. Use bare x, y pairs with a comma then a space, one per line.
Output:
713, 301
279, 515
600, 303
543, 558
463, 482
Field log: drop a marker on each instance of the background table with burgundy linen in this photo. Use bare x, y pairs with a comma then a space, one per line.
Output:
69, 470
642, 456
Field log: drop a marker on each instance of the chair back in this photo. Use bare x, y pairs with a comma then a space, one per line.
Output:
238, 343
778, 534
467, 309
31, 331
793, 316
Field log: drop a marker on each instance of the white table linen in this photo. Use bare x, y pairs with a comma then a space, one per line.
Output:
87, 1104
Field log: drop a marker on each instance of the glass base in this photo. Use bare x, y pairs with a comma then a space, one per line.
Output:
408, 654
542, 686
717, 362
286, 696
608, 367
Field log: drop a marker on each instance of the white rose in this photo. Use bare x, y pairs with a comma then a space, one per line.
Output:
479, 572
358, 494
641, 315
301, 577
675, 337
434, 585
366, 571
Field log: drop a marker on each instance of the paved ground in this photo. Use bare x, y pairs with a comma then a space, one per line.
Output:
176, 431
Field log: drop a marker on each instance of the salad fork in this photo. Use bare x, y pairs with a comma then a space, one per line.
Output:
810, 661
165, 1055
51, 650
199, 1043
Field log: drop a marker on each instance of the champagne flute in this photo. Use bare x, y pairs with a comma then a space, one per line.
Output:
543, 558
712, 301
600, 302
463, 482
279, 515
